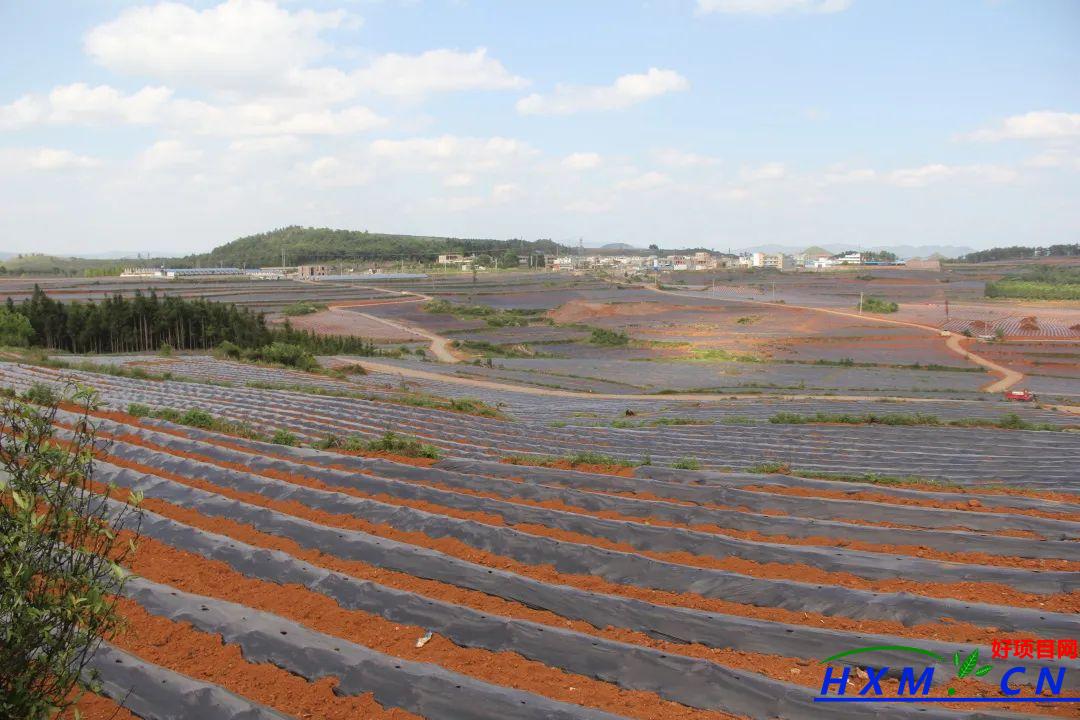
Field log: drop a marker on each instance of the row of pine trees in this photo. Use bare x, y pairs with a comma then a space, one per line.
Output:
145, 323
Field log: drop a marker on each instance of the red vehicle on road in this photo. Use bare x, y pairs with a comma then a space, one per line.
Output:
1020, 395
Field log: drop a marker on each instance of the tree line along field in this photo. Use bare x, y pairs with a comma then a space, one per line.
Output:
301, 578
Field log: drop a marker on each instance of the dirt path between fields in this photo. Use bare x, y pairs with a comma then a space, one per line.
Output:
440, 346
1009, 377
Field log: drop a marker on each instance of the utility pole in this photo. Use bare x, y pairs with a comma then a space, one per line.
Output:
860, 302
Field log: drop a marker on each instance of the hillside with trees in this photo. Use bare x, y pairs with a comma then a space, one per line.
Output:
314, 245
1017, 252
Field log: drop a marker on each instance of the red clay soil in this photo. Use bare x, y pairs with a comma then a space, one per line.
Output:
968, 505
196, 574
193, 573
97, 707
180, 647
971, 591
946, 630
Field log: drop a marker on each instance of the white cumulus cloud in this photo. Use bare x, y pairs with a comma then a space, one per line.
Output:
1039, 125
233, 45
436, 71
82, 104
645, 181
581, 161
626, 91
456, 154
166, 154
56, 159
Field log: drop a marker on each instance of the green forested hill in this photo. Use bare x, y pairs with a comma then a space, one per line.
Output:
312, 245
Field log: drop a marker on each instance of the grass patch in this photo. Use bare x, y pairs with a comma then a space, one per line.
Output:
686, 463
717, 355
493, 317
302, 307
518, 350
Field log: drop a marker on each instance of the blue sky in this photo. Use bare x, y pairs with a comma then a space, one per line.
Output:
725, 123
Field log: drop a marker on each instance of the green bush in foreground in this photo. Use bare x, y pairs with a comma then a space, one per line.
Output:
60, 558
686, 463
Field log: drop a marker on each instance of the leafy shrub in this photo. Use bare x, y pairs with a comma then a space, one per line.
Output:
686, 463
230, 350
603, 336
41, 394
57, 602
879, 305
197, 417
284, 437
284, 354
166, 350
139, 410
396, 444
15, 328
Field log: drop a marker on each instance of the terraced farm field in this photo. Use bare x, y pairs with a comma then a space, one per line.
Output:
561, 559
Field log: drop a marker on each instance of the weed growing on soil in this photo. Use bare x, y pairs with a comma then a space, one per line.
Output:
575, 460
767, 468
686, 463
657, 422
196, 417
284, 437
390, 442
874, 478
1011, 421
